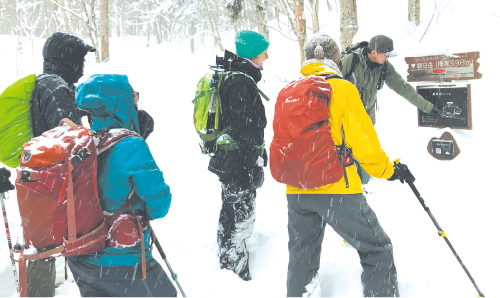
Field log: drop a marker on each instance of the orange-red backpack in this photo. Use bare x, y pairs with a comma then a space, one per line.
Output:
57, 194
303, 153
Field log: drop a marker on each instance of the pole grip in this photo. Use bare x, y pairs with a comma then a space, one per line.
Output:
160, 249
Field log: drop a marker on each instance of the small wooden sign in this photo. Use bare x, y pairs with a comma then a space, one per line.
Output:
439, 68
455, 102
443, 148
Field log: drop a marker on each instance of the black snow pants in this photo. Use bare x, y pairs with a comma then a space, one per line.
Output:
121, 281
236, 222
353, 219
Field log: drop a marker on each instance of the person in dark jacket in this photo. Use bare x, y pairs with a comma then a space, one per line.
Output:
240, 169
52, 100
126, 168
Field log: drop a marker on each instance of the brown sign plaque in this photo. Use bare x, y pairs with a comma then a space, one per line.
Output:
443, 148
455, 102
462, 66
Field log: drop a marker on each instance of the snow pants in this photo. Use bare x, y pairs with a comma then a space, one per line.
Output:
41, 277
353, 219
121, 281
236, 224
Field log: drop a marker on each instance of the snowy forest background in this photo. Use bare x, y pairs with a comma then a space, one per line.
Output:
166, 46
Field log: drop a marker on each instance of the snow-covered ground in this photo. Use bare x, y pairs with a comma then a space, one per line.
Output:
461, 193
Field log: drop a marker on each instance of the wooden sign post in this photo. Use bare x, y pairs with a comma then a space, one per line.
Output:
441, 68
453, 98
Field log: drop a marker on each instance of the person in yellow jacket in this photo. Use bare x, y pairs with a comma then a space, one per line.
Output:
344, 209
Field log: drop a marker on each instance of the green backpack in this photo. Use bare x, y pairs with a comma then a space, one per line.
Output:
15, 119
207, 109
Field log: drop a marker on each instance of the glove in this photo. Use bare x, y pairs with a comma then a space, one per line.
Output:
260, 162
402, 173
436, 110
5, 184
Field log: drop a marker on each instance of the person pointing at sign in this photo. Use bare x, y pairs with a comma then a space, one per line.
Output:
366, 65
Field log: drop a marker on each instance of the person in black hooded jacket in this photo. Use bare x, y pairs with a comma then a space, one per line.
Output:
52, 100
54, 95
240, 169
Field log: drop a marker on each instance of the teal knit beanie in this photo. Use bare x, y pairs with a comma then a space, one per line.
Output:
250, 44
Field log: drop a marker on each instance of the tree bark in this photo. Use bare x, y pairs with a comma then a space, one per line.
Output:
414, 11
348, 22
301, 27
314, 15
104, 28
214, 27
261, 18
192, 32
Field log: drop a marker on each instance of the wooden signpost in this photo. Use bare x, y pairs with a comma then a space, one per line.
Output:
453, 98
439, 68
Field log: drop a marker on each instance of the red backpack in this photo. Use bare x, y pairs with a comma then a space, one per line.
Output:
57, 194
303, 153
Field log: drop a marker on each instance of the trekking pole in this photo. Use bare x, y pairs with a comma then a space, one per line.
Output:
440, 231
164, 257
2, 197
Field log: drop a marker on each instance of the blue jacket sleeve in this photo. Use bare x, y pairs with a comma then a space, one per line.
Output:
146, 178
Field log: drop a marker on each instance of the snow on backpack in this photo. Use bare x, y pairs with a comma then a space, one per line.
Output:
207, 110
303, 153
57, 194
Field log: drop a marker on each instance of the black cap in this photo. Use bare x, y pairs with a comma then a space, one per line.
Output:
382, 44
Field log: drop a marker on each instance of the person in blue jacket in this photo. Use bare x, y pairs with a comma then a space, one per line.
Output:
127, 166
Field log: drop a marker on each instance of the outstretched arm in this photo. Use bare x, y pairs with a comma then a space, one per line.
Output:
401, 87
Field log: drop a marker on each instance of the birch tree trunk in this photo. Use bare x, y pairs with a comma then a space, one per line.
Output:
414, 11
314, 15
261, 18
192, 32
104, 28
348, 22
214, 27
301, 27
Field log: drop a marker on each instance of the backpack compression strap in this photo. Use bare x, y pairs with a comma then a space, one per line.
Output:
125, 206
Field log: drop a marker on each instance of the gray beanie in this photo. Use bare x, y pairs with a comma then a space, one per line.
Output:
320, 46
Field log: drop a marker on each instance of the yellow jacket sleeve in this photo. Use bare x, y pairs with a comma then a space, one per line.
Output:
347, 110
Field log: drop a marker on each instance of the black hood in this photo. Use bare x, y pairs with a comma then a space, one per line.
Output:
233, 62
63, 54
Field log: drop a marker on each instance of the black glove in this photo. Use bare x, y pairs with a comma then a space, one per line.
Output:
146, 123
436, 110
5, 184
402, 173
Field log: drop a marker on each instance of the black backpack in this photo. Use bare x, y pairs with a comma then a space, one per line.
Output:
355, 63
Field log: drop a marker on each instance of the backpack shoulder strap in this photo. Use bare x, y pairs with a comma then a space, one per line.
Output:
332, 76
354, 65
108, 138
232, 73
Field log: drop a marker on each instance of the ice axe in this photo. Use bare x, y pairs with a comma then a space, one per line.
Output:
409, 179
